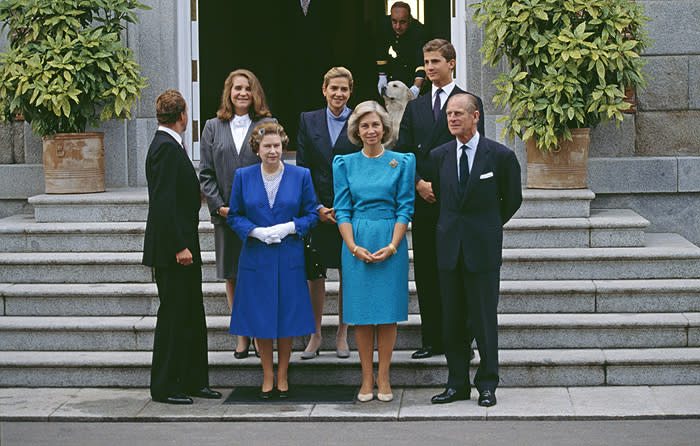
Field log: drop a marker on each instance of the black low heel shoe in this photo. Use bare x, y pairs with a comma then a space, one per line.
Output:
244, 353
265, 396
255, 349
283, 394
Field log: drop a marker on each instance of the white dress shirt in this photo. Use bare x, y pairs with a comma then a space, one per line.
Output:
239, 128
472, 144
444, 94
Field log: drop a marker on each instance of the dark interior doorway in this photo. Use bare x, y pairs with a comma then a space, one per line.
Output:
290, 52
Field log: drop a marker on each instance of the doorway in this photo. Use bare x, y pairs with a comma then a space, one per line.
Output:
290, 52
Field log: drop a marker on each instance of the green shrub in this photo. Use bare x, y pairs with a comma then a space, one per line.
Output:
66, 64
571, 61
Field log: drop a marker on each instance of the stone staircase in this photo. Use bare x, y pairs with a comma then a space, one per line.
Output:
587, 298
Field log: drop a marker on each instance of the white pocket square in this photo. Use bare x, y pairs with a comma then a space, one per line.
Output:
486, 175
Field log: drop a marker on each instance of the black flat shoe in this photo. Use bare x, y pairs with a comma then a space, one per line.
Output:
178, 398
283, 394
206, 392
244, 353
449, 395
487, 398
265, 396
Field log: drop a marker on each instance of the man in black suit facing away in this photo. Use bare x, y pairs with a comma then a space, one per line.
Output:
180, 368
424, 127
476, 182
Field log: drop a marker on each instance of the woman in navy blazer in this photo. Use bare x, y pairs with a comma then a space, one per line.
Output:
272, 207
323, 134
224, 149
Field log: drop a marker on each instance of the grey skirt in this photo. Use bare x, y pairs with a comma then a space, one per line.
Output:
228, 249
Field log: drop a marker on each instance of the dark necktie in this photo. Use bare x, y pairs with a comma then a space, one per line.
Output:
463, 168
437, 105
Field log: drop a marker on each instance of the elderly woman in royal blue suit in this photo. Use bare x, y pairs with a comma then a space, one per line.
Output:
272, 207
323, 134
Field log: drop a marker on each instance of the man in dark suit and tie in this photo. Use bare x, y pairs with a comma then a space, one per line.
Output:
171, 246
424, 127
476, 182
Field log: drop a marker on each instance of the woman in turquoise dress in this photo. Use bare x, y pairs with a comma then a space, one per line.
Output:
374, 197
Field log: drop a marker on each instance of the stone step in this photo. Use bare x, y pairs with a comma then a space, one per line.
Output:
21, 233
556, 296
131, 204
526, 331
543, 203
556, 367
604, 228
663, 256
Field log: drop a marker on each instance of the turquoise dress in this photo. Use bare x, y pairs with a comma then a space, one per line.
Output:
373, 194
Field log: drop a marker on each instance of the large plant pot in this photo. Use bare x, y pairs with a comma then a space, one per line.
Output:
562, 168
74, 163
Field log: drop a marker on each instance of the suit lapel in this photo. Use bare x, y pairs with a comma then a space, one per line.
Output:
439, 126
321, 134
449, 172
480, 160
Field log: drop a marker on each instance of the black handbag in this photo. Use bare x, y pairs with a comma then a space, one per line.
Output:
312, 261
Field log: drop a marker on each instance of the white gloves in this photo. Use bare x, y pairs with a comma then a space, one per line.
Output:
382, 83
273, 234
415, 90
265, 235
284, 229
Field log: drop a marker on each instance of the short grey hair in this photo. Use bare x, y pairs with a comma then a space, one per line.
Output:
361, 110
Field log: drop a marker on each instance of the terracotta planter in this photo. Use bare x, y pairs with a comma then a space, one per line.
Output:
74, 163
563, 167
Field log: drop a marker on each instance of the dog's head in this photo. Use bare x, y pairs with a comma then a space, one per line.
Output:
398, 92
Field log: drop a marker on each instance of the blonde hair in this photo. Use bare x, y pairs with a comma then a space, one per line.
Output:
267, 128
361, 110
337, 72
258, 108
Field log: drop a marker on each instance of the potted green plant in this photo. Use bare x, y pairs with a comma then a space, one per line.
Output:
66, 67
570, 63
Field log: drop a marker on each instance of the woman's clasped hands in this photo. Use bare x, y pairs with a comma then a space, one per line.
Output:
372, 257
273, 234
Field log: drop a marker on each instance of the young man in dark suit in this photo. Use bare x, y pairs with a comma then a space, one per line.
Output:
476, 182
171, 246
424, 127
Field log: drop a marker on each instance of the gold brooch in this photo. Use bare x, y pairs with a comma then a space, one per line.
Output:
393, 163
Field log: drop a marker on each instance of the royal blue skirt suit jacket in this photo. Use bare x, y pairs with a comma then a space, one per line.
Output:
272, 296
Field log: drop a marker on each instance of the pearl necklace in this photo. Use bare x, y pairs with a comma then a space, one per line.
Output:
273, 175
375, 156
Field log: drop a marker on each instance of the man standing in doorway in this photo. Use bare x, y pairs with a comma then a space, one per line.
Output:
476, 182
180, 368
399, 55
424, 127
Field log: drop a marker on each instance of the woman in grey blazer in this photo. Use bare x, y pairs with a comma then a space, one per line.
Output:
224, 148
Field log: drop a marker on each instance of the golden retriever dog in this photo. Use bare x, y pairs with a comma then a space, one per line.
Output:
396, 95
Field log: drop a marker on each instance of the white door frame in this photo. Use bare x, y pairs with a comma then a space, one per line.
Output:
187, 60
459, 39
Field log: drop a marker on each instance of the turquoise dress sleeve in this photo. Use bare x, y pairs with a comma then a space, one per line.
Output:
405, 194
342, 202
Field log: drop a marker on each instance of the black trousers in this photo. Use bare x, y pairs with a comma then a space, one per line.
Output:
180, 344
426, 274
470, 303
